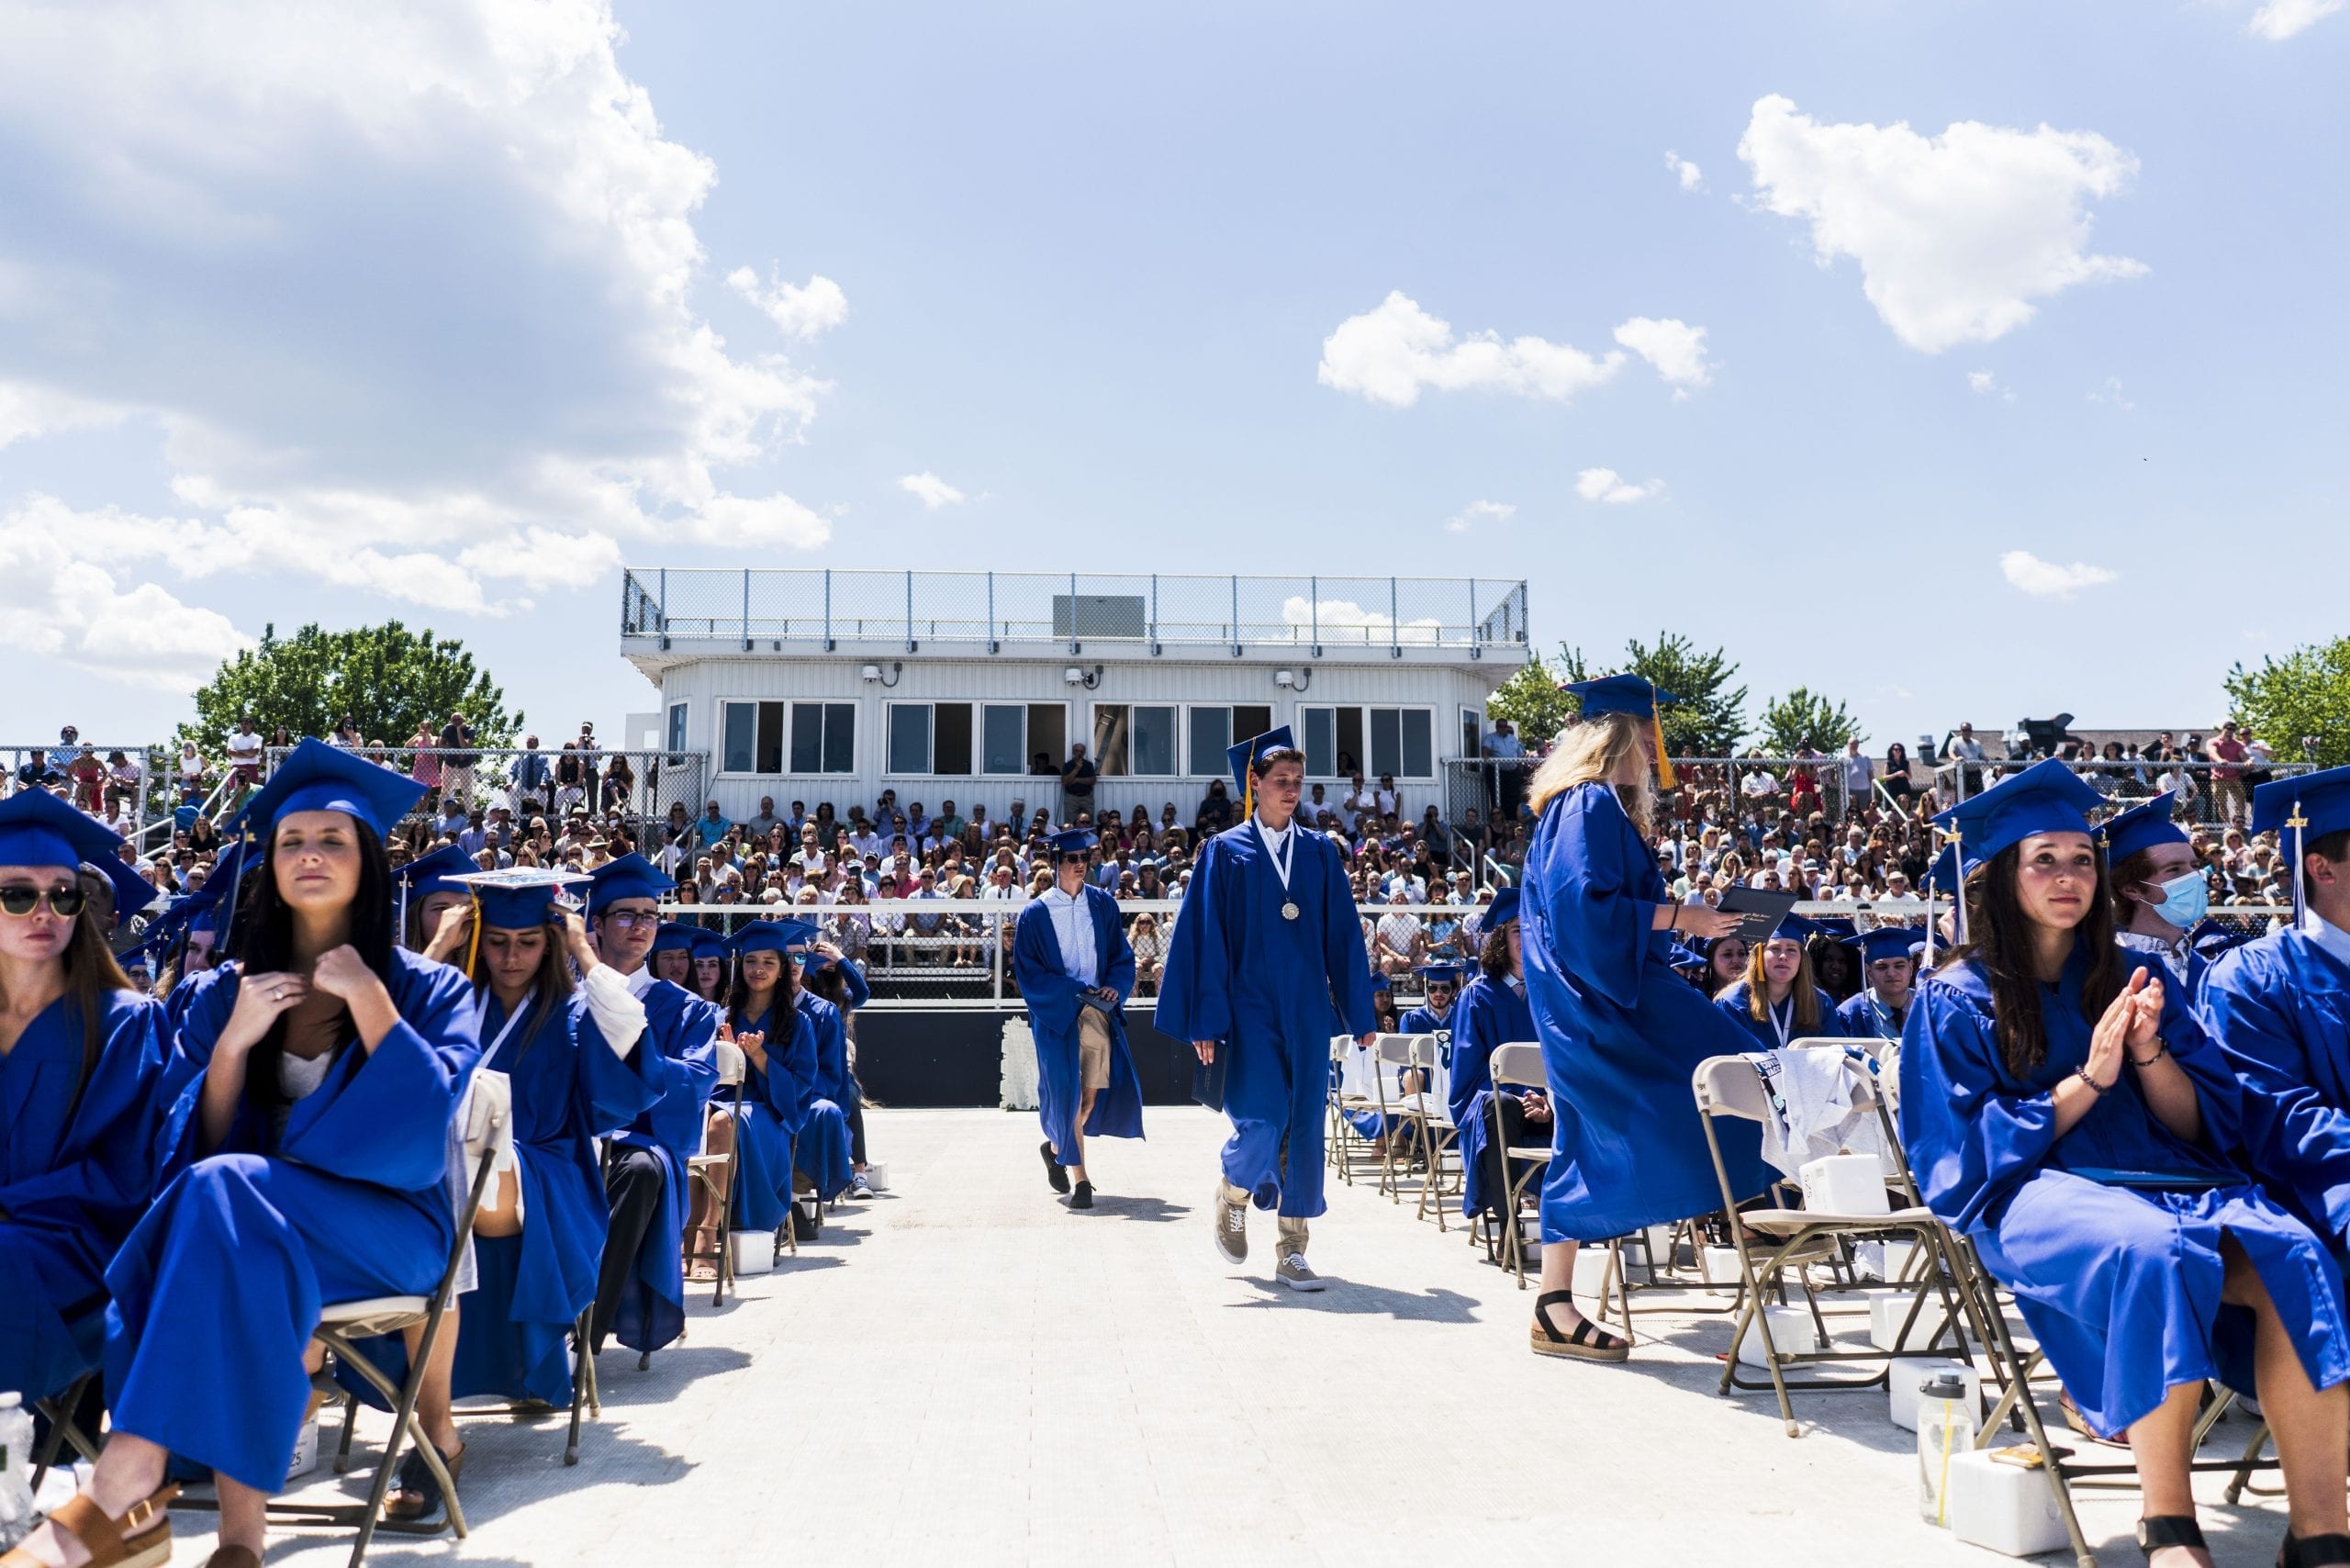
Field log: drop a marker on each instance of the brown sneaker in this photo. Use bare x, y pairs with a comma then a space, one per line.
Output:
1296, 1273
1231, 1228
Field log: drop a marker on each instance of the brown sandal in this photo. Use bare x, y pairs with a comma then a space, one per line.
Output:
1589, 1342
104, 1539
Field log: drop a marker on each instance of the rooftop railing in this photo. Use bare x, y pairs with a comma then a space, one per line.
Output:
826, 611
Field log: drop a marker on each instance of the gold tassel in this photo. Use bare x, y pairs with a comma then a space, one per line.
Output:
1664, 779
473, 939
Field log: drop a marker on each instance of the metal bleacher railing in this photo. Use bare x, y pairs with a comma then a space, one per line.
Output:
825, 611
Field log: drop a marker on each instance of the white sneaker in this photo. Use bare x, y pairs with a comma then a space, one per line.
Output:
859, 1187
1231, 1230
1296, 1273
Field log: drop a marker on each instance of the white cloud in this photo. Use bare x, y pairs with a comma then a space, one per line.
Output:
2111, 395
2278, 20
2027, 573
1985, 384
1675, 349
410, 294
1389, 354
1956, 235
801, 311
933, 491
58, 605
1689, 174
1607, 486
1468, 516
1344, 615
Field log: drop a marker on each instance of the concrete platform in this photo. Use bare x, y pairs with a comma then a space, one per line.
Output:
963, 1371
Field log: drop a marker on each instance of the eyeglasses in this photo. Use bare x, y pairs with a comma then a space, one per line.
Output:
64, 902
626, 918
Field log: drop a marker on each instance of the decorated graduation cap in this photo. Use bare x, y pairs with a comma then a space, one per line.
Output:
2047, 796
39, 829
1250, 755
1634, 694
2143, 826
1072, 840
2305, 806
1841, 927
1794, 928
1885, 942
1501, 911
630, 877
1677, 956
518, 898
316, 777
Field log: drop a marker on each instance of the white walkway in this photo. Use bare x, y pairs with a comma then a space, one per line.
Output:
965, 1372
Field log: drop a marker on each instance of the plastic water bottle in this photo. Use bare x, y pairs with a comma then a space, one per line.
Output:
16, 1471
1946, 1426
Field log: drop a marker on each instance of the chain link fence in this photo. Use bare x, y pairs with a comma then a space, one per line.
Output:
645, 787
117, 784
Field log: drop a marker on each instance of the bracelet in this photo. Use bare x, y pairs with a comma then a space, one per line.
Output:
1673, 923
2161, 1049
2101, 1089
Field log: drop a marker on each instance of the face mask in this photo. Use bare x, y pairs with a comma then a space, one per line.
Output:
2185, 900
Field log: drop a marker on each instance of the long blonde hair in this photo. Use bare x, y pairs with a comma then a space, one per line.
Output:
1593, 752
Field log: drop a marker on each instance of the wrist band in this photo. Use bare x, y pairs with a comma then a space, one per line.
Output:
1673, 923
2161, 1049
2100, 1089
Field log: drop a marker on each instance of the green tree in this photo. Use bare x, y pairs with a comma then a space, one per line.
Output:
386, 677
1531, 700
2305, 694
1709, 716
1801, 719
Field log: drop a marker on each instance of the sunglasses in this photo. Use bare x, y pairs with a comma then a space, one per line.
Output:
64, 901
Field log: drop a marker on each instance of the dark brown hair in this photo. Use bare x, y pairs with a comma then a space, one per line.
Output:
1998, 943
90, 973
1493, 953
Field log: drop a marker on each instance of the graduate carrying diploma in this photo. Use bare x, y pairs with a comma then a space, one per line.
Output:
1267, 964
1076, 972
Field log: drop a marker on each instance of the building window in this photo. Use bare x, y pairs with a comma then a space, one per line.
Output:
1216, 729
1134, 740
750, 737
677, 726
823, 737
1342, 741
962, 739
1472, 733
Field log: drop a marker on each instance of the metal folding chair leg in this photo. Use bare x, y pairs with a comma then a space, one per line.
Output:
59, 1414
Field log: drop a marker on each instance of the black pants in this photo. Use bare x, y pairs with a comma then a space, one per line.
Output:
634, 1185
856, 1133
1517, 1132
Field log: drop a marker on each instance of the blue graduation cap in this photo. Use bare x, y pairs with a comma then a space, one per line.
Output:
774, 937
132, 891
1841, 927
2144, 826
1633, 694
439, 872
1381, 982
1794, 928
162, 928
2308, 805
676, 936
1250, 754
709, 943
630, 877
1680, 957
316, 777
1501, 911
1072, 840
1943, 874
39, 829
2047, 796
518, 899
1440, 974
1885, 942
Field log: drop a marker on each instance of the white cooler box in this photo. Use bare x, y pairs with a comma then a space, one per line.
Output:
1792, 1330
753, 1251
1845, 1184
877, 1175
2004, 1506
1888, 1312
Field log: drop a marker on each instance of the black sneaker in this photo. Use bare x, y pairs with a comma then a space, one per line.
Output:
1084, 1198
1053, 1172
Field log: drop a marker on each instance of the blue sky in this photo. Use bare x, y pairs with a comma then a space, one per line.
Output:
443, 315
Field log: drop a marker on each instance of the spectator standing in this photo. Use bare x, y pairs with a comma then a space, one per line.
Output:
1077, 783
1504, 775
1860, 773
244, 756
191, 775
531, 776
457, 767
424, 763
2228, 752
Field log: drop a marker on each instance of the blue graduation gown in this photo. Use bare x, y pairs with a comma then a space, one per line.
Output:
1491, 1013
229, 1268
1271, 992
1621, 1033
1051, 994
2108, 1236
652, 1310
567, 1083
2280, 1007
767, 1117
822, 1152
74, 1179
1863, 1018
1733, 1004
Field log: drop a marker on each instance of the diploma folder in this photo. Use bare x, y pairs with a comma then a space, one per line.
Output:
1758, 913
1207, 1077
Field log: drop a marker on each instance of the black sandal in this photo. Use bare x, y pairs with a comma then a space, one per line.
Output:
1589, 1342
2314, 1551
1053, 1172
2159, 1531
417, 1499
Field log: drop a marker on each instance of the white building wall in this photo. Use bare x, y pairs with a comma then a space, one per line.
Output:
702, 686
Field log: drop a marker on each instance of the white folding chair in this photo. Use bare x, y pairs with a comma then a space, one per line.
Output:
714, 1174
1394, 1055
1515, 1066
1431, 1110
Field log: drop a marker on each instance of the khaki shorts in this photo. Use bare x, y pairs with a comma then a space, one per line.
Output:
1093, 1049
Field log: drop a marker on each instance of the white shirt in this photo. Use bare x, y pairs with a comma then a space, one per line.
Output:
2326, 934
243, 747
1073, 927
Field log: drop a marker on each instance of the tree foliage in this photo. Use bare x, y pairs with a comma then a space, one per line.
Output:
385, 678
2303, 696
1531, 700
1802, 718
1709, 716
